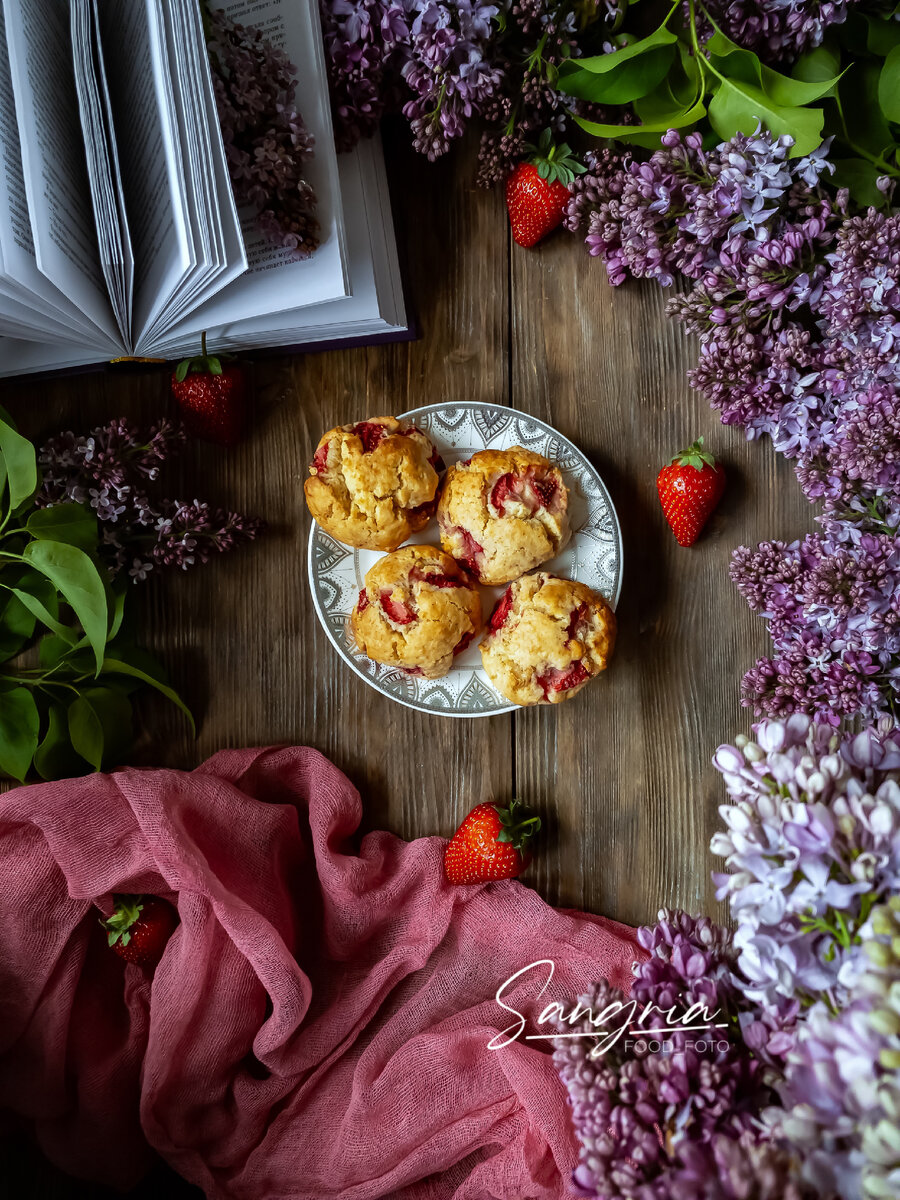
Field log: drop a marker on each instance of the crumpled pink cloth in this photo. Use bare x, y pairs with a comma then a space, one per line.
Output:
318, 1025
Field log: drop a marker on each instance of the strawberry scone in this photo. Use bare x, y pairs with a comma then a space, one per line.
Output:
373, 484
418, 610
503, 512
546, 638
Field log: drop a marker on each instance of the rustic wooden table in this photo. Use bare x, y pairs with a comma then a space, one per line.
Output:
621, 775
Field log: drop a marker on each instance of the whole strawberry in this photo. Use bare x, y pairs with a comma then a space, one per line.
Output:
689, 489
140, 927
490, 844
537, 191
212, 398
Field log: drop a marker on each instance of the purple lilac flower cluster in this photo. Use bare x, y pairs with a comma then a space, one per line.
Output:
680, 1122
812, 850
449, 65
266, 143
832, 602
776, 30
796, 306
108, 470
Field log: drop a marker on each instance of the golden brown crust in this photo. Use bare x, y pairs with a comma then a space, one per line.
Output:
503, 513
418, 609
372, 489
547, 639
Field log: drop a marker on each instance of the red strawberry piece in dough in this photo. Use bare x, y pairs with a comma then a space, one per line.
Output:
555, 680
398, 610
437, 462
471, 549
412, 670
578, 617
533, 490
546, 487
363, 602
502, 490
371, 434
464, 642
424, 510
320, 460
501, 611
436, 579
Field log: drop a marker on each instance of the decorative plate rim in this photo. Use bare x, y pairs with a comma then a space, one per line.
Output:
412, 414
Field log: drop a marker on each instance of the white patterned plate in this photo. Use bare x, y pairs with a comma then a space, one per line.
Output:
593, 556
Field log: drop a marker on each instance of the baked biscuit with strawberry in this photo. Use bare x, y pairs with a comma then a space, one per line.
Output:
418, 610
373, 484
546, 639
503, 512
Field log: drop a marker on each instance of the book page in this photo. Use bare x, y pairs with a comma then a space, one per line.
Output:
51, 314
53, 165
213, 220
108, 204
274, 280
132, 44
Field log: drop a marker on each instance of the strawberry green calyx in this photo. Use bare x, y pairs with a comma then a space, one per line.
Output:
204, 364
695, 456
554, 163
517, 828
127, 912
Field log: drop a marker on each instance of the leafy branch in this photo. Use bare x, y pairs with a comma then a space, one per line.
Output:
676, 78
72, 712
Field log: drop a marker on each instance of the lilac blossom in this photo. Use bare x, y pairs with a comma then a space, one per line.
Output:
109, 470
777, 30
679, 1121
812, 840
267, 145
840, 1094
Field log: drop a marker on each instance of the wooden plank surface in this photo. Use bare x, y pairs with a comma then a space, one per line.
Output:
621, 775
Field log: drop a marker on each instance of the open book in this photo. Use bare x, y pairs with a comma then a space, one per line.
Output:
119, 234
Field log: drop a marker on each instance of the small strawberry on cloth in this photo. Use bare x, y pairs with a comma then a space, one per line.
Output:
318, 1024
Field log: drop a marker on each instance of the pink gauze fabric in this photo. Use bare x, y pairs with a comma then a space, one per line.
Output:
318, 1024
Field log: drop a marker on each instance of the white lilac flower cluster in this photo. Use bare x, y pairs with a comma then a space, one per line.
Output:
812, 850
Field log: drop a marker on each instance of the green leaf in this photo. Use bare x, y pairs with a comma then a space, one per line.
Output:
35, 606
866, 126
889, 86
16, 622
19, 727
743, 66
815, 66
119, 667
626, 133
77, 579
71, 523
20, 462
740, 107
883, 35
859, 175
636, 77
55, 757
604, 64
118, 595
100, 727
52, 650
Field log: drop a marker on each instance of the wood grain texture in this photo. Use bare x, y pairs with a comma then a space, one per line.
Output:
620, 775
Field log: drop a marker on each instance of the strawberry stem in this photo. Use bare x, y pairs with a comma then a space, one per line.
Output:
127, 911
518, 829
695, 456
